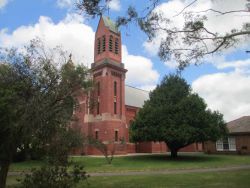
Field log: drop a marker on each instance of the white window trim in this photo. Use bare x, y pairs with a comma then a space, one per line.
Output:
231, 144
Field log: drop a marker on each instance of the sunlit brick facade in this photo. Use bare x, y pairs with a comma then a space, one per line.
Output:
116, 104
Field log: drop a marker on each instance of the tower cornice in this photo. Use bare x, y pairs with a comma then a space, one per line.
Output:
108, 63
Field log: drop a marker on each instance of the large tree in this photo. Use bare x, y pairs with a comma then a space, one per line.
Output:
184, 33
37, 97
176, 116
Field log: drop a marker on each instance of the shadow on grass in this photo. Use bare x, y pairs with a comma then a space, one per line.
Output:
181, 157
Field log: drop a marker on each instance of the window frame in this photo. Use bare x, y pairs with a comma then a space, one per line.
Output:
116, 136
98, 46
115, 88
116, 46
111, 43
226, 144
96, 134
103, 43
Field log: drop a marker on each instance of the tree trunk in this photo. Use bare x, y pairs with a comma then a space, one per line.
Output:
173, 153
3, 173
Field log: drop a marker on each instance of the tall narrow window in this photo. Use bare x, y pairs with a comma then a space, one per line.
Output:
98, 45
96, 135
98, 88
110, 43
116, 136
116, 46
115, 107
103, 43
98, 108
115, 88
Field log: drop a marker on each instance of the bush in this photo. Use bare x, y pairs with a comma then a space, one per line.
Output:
54, 177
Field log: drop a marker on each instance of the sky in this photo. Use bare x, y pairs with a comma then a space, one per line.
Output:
223, 80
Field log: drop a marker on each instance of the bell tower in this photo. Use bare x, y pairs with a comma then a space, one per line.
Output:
107, 41
107, 120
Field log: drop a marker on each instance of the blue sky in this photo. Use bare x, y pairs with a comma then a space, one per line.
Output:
224, 81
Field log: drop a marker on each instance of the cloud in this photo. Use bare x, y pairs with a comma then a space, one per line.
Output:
226, 92
65, 3
238, 65
74, 36
3, 3
114, 5
70, 33
140, 71
215, 22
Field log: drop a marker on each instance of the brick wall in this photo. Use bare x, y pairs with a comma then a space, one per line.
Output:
242, 145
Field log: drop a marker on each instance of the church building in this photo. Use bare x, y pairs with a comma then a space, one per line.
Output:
116, 103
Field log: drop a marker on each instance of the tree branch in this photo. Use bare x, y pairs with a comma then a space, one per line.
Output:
185, 8
222, 13
225, 39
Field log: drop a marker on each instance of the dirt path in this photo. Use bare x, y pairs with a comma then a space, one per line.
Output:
177, 171
156, 172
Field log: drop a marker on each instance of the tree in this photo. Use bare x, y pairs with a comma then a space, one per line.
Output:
177, 116
38, 88
107, 149
187, 44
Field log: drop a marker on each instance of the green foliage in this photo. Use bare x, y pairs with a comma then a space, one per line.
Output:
53, 176
37, 98
177, 116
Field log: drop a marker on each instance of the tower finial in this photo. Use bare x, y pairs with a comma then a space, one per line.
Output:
108, 8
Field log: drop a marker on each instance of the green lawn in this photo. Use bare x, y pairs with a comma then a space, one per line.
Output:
149, 162
232, 179
239, 179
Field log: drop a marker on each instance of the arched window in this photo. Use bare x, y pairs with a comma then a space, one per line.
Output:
116, 135
98, 46
103, 43
115, 88
96, 135
110, 43
115, 111
98, 88
98, 107
116, 46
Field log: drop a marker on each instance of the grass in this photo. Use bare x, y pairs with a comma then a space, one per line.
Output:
158, 162
232, 179
147, 162
239, 179
229, 179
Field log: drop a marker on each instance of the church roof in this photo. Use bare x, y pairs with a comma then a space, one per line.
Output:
135, 97
110, 24
241, 125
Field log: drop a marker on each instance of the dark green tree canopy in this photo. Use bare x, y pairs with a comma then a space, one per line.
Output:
177, 116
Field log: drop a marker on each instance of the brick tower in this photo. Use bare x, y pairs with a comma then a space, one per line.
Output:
107, 121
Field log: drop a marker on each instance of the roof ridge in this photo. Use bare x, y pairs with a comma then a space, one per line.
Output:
238, 119
137, 88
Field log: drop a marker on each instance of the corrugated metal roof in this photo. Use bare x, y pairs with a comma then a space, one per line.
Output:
135, 97
110, 24
241, 125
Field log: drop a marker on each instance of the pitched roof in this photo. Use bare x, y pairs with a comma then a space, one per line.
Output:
241, 125
135, 97
110, 24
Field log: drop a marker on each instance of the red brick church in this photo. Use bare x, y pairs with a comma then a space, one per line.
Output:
117, 103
